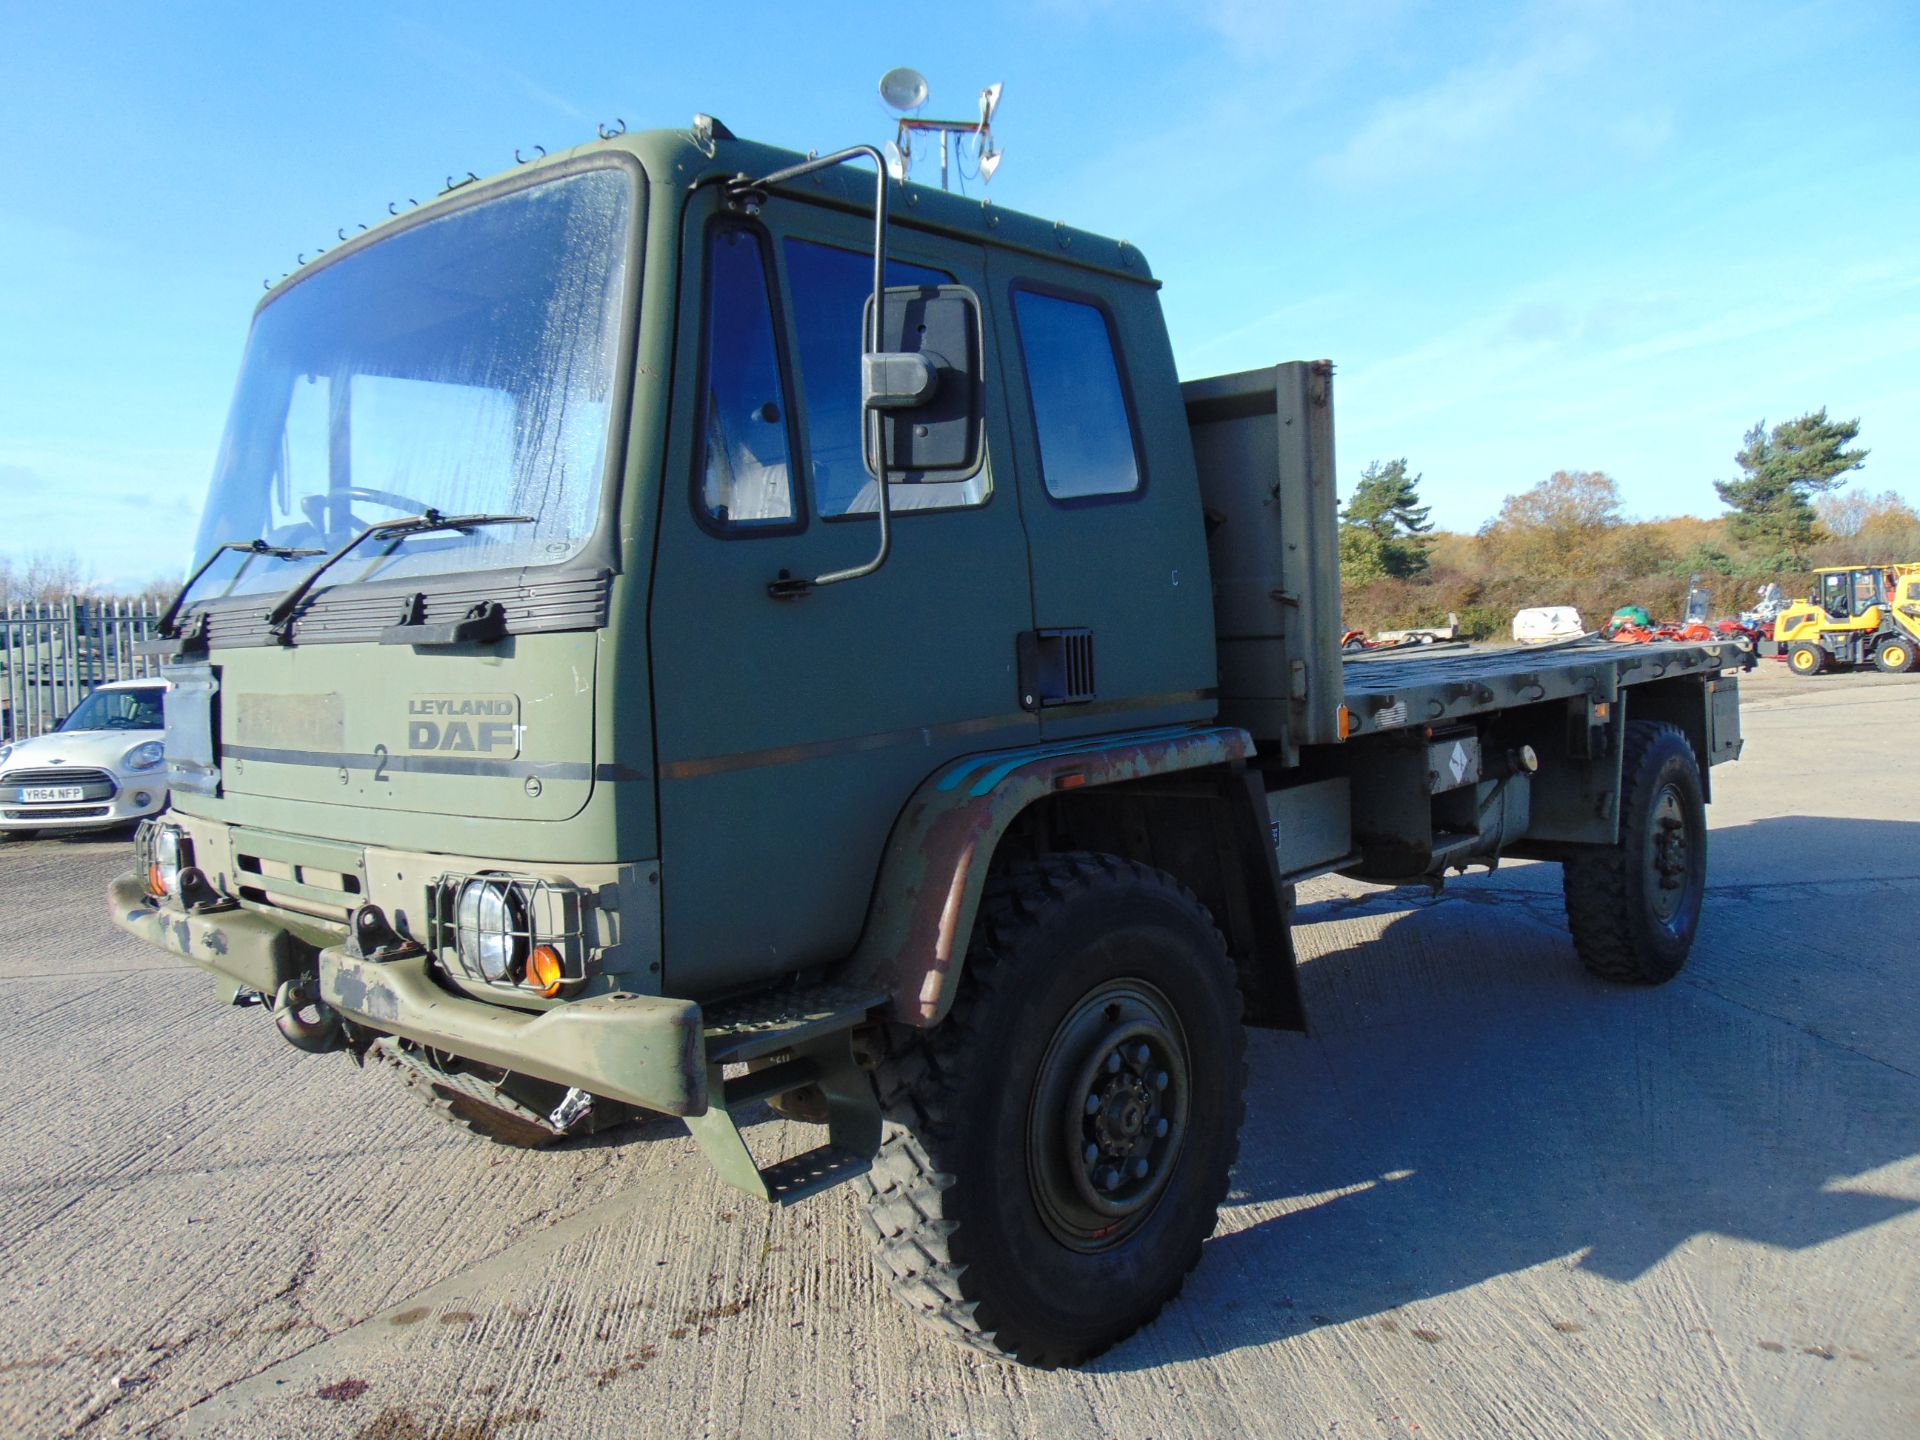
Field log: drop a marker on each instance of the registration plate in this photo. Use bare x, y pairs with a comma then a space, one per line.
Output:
34, 794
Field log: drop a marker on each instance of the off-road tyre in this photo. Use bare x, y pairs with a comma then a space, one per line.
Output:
1806, 658
964, 1202
1615, 899
1894, 656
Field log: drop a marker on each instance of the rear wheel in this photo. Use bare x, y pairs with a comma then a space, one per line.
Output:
1634, 907
1806, 658
1057, 1150
1895, 656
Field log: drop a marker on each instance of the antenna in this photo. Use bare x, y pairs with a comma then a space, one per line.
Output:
904, 90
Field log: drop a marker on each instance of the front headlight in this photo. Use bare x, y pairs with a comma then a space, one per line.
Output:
6, 753
163, 860
143, 756
491, 936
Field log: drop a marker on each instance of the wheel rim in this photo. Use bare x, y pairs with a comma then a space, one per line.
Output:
1896, 657
1669, 858
1803, 660
1109, 1114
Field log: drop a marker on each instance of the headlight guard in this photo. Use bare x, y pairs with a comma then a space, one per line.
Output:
490, 925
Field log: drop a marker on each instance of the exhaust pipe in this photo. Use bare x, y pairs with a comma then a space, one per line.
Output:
304, 1020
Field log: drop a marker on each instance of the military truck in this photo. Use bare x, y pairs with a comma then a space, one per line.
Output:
683, 625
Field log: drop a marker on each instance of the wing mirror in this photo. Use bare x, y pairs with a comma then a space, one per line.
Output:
921, 390
925, 383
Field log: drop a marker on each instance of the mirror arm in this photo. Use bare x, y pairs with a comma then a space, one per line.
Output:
748, 190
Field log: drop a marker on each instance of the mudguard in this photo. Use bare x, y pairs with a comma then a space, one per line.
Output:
935, 870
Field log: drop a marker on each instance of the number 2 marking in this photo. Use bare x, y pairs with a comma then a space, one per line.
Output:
380, 765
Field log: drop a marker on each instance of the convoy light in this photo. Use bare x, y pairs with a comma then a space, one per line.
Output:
145, 756
163, 860
546, 972
491, 937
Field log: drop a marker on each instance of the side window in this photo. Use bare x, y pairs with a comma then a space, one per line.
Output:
1079, 410
746, 478
829, 289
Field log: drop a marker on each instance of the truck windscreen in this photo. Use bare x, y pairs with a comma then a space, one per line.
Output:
466, 364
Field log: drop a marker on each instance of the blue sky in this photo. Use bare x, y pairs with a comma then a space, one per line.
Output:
1599, 234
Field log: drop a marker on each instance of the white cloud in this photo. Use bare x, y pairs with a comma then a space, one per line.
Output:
1548, 91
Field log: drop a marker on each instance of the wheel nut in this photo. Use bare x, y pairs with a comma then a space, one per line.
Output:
1140, 1169
1113, 1062
1160, 1130
1109, 1179
1141, 1054
1092, 1152
1093, 1104
1160, 1079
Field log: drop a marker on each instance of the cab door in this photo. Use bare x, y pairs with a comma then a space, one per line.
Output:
790, 732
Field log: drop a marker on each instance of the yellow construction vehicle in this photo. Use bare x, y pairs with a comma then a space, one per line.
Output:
1856, 614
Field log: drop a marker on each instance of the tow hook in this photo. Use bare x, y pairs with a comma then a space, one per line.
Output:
304, 1020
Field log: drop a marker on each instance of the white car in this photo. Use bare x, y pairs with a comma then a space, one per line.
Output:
105, 765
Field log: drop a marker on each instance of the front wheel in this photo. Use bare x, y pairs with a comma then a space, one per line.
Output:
1806, 658
1634, 907
1057, 1150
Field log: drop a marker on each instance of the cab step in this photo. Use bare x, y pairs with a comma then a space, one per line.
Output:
761, 1025
807, 1035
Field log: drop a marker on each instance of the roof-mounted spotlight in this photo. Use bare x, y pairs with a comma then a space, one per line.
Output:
904, 89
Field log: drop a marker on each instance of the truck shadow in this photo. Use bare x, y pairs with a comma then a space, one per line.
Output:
1474, 1105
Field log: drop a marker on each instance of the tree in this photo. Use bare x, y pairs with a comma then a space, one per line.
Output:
1780, 469
1382, 526
1560, 528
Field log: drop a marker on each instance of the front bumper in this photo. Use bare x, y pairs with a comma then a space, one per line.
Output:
645, 1050
236, 947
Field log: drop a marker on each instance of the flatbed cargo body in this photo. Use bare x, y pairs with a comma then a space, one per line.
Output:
1395, 692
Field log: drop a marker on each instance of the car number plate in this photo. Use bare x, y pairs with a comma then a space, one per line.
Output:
33, 793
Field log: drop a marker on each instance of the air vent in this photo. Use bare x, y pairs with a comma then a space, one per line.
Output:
1056, 668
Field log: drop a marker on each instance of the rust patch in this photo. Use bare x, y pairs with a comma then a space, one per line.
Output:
351, 1388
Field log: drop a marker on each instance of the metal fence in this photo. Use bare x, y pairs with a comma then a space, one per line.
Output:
52, 653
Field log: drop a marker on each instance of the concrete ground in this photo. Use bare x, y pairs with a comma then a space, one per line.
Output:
1489, 1197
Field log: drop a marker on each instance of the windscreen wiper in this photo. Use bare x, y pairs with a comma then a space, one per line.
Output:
165, 629
280, 617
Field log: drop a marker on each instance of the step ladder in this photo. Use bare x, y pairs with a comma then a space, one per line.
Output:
808, 1036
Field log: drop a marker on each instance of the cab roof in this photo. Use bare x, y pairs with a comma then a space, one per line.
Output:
682, 159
